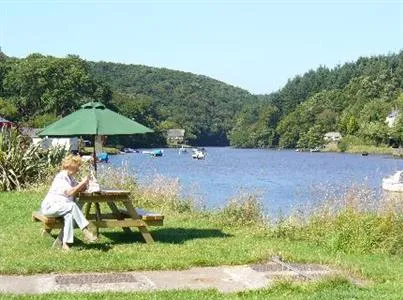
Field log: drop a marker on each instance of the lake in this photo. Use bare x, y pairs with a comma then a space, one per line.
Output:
284, 179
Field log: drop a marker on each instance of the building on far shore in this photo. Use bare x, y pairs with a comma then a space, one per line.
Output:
332, 137
391, 118
69, 143
175, 136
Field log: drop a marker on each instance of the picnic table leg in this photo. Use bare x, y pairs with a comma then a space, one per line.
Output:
59, 240
87, 209
143, 229
118, 214
46, 231
97, 214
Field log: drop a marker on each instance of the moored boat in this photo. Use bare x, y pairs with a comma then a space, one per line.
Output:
154, 153
182, 150
199, 153
130, 150
393, 183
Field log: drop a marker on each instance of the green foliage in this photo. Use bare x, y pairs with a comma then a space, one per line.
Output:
375, 131
22, 163
254, 127
353, 98
47, 85
43, 120
311, 139
342, 145
204, 107
243, 209
8, 110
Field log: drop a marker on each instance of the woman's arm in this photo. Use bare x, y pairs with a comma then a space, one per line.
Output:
78, 188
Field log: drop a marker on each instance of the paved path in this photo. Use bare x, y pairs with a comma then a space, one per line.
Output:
224, 278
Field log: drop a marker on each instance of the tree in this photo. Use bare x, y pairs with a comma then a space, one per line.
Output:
8, 110
44, 84
375, 131
312, 138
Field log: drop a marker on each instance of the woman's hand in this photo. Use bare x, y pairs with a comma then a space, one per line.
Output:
79, 187
84, 183
85, 180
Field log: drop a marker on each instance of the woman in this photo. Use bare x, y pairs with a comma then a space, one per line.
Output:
59, 202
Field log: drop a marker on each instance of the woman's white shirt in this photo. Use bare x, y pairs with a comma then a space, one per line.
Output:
57, 195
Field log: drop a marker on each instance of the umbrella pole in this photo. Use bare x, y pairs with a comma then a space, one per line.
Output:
94, 156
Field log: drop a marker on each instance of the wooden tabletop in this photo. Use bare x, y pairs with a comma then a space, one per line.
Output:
106, 192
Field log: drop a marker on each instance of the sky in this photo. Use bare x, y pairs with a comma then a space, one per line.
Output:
255, 45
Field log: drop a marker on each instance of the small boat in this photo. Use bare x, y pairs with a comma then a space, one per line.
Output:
314, 150
182, 150
199, 153
103, 157
154, 153
130, 150
393, 183
365, 153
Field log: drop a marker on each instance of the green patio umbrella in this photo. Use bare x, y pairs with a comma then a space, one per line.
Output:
93, 119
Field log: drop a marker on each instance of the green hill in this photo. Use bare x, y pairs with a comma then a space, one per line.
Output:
353, 98
203, 106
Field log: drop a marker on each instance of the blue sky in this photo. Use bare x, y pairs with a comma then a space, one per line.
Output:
256, 45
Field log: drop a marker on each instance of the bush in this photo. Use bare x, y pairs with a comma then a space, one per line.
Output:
243, 209
22, 163
353, 223
342, 145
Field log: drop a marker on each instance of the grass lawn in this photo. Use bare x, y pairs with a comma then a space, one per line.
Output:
186, 240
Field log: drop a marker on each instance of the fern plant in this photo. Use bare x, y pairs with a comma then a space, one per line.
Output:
23, 163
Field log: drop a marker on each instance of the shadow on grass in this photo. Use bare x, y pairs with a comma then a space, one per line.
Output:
175, 235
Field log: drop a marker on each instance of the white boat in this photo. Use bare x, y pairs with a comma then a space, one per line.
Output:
393, 183
182, 150
198, 153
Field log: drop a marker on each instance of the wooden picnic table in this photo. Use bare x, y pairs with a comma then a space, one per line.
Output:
130, 217
108, 199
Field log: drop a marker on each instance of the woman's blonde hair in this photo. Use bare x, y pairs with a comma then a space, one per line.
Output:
71, 161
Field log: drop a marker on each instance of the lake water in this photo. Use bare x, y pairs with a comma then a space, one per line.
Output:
284, 179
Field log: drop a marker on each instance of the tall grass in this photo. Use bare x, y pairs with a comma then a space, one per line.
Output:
160, 192
355, 222
243, 209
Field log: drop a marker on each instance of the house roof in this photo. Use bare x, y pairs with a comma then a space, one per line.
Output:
172, 133
2, 120
31, 132
333, 133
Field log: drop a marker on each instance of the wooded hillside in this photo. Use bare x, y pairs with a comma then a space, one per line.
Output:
353, 98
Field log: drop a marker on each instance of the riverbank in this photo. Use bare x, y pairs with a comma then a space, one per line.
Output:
359, 149
235, 235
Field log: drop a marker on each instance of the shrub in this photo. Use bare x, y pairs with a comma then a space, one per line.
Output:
243, 209
342, 145
22, 163
356, 222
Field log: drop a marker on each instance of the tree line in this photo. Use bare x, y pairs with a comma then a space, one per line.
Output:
353, 98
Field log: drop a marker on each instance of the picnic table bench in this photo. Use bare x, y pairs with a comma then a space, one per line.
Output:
125, 217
